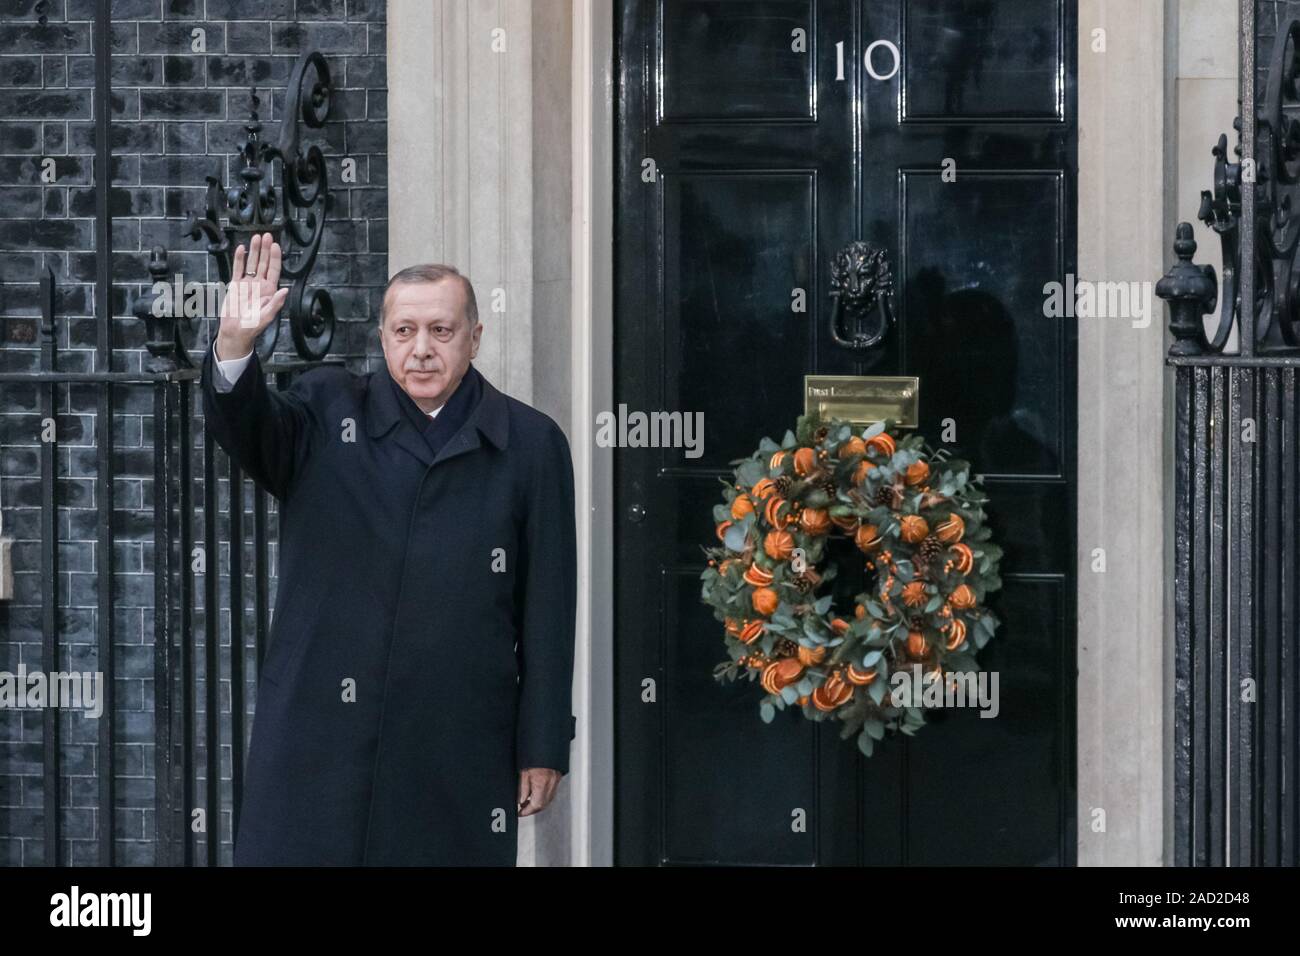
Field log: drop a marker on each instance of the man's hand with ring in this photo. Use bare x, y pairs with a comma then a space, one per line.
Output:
252, 300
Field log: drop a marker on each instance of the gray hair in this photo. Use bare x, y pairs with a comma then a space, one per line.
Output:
433, 272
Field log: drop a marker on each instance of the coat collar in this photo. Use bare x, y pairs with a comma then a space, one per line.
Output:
490, 418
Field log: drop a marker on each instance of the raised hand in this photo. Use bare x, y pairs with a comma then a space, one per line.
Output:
252, 299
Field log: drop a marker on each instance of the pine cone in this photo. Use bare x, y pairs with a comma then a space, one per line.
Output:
931, 548
820, 434
830, 488
803, 583
782, 485
786, 647
889, 496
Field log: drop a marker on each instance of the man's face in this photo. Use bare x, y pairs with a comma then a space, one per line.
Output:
427, 340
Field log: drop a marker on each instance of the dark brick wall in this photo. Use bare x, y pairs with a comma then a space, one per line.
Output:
177, 117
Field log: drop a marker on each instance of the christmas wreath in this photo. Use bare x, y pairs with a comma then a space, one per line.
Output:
916, 515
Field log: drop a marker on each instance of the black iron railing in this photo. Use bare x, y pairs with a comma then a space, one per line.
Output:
1236, 482
187, 513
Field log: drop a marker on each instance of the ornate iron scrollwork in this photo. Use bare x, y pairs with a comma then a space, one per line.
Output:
1221, 211
1277, 225
294, 214
860, 284
1278, 191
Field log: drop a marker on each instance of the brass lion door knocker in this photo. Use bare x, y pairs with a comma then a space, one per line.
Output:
861, 286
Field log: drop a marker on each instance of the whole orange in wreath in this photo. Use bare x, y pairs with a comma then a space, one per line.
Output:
911, 514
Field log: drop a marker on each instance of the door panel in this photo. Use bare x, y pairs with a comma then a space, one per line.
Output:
972, 256
764, 165
983, 60
741, 241
723, 60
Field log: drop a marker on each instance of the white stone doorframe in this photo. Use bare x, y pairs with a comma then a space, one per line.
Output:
492, 168
592, 826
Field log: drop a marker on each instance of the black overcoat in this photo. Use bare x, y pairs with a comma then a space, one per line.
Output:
421, 646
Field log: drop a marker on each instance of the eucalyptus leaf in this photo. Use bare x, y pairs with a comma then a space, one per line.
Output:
734, 537
751, 471
766, 711
876, 689
875, 728
865, 743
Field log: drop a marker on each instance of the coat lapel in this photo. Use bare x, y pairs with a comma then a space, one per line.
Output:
489, 419
384, 416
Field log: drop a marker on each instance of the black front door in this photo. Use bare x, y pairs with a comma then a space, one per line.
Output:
755, 139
